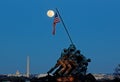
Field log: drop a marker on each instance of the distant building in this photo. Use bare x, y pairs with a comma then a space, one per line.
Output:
98, 76
17, 74
28, 67
103, 76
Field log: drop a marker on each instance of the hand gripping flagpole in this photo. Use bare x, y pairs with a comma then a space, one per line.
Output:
64, 26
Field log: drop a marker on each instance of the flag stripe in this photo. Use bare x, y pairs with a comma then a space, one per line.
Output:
56, 20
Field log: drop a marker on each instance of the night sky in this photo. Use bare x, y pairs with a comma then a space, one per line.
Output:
26, 30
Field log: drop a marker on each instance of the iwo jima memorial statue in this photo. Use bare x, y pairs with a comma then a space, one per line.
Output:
71, 65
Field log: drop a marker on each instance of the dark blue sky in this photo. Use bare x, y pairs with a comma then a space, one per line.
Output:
25, 29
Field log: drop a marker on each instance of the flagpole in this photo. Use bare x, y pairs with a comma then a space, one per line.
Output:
64, 26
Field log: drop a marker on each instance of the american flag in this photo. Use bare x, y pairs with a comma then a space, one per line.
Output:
56, 20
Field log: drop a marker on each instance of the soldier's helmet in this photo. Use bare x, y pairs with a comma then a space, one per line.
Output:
78, 51
72, 47
65, 50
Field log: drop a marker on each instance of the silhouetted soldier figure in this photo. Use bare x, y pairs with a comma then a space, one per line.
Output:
60, 63
65, 60
70, 63
82, 63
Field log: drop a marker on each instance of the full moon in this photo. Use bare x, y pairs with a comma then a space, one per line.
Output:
50, 13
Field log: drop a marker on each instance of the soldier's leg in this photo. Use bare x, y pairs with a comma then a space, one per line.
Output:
69, 67
63, 67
